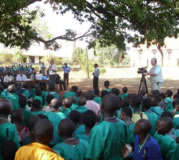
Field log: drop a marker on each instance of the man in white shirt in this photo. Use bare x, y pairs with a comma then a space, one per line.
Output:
21, 77
8, 78
96, 77
155, 73
52, 74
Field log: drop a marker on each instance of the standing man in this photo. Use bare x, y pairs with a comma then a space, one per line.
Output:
52, 74
66, 70
96, 77
155, 73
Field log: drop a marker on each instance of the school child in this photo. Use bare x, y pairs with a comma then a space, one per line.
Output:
53, 92
146, 147
38, 95
74, 103
152, 117
176, 114
71, 148
167, 144
89, 119
106, 86
8, 130
12, 97
72, 92
126, 115
168, 101
48, 100
124, 103
55, 116
97, 97
116, 91
81, 105
38, 150
176, 96
155, 105
26, 91
108, 138
162, 102
36, 108
103, 93
67, 102
136, 105
23, 132
124, 94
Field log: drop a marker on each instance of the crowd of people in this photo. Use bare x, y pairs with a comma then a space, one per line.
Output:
108, 125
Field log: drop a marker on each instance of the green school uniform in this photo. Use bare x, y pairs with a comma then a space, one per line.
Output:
33, 92
26, 93
74, 106
168, 104
69, 94
27, 114
4, 93
66, 111
55, 118
40, 99
97, 99
83, 136
176, 120
57, 96
107, 89
131, 135
44, 96
157, 110
72, 152
14, 99
152, 117
39, 112
167, 145
79, 130
119, 113
8, 131
81, 109
123, 95
107, 140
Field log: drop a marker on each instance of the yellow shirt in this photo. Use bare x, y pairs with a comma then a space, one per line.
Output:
36, 151
137, 116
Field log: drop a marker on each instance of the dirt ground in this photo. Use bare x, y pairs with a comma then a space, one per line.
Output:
124, 77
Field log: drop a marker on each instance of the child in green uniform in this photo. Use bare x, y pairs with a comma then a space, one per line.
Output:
167, 144
152, 117
108, 138
38, 95
53, 92
71, 148
124, 94
81, 105
36, 108
106, 86
155, 105
48, 101
126, 115
168, 101
12, 97
176, 114
72, 92
66, 109
97, 98
8, 130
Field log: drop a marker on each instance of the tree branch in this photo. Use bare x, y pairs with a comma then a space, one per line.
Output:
29, 2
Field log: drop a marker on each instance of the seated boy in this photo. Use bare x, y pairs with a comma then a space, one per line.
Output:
81, 105
124, 94
108, 138
176, 114
36, 108
67, 102
146, 147
168, 101
72, 92
155, 105
106, 86
38, 150
71, 148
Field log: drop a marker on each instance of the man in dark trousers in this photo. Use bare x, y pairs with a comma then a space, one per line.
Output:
66, 70
52, 74
96, 77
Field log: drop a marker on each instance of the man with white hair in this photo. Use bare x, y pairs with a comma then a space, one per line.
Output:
156, 77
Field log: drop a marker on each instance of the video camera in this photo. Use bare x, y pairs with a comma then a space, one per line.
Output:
142, 70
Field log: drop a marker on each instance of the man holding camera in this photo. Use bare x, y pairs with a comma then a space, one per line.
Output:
155, 73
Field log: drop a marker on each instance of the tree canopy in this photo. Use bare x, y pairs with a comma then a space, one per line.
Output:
113, 22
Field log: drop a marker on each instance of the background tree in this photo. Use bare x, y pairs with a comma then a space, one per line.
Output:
79, 57
19, 57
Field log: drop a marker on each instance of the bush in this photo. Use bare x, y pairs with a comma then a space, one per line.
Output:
102, 70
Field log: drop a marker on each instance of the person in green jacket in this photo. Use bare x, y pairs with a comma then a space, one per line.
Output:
66, 109
72, 92
176, 114
124, 94
168, 101
38, 95
108, 138
106, 86
156, 99
36, 108
81, 105
8, 130
71, 148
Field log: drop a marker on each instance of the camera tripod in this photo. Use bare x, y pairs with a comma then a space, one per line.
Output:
143, 85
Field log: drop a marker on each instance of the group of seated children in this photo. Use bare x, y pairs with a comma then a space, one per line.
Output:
43, 125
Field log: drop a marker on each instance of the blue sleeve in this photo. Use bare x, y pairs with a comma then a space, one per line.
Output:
152, 152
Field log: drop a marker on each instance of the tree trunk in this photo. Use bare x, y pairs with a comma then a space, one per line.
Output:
161, 52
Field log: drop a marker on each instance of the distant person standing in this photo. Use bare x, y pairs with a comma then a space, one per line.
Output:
52, 74
155, 73
96, 77
66, 70
43, 67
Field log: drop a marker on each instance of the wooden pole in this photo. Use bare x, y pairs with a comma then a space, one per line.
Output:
87, 66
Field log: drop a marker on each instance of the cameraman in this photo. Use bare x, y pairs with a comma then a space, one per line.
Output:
155, 73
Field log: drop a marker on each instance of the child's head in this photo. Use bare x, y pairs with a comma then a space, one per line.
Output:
82, 101
55, 103
43, 131
167, 114
89, 119
74, 89
36, 104
169, 93
162, 95
22, 101
142, 126
51, 88
155, 92
38, 92
66, 128
116, 91
147, 103
124, 90
49, 98
67, 102
125, 102
106, 84
164, 125
95, 65
110, 104
126, 113
73, 100
17, 116
103, 93
75, 117
176, 104
11, 88
156, 99
90, 95
136, 101
5, 108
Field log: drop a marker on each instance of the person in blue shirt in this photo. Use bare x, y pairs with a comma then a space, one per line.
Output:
66, 70
145, 147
